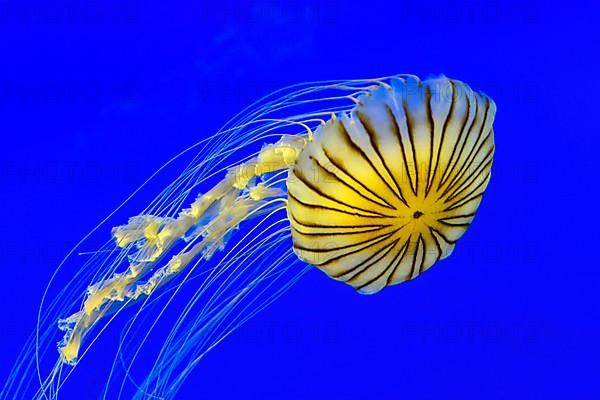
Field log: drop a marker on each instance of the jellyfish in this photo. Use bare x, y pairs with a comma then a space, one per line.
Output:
370, 181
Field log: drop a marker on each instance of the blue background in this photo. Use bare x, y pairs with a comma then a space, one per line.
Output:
95, 97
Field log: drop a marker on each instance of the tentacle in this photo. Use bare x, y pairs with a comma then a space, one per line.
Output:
151, 244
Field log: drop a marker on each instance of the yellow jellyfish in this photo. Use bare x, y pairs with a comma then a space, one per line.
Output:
371, 181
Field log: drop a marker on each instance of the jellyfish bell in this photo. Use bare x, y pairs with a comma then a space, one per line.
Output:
370, 181
396, 182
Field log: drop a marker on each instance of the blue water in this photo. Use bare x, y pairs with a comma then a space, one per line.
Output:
95, 96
